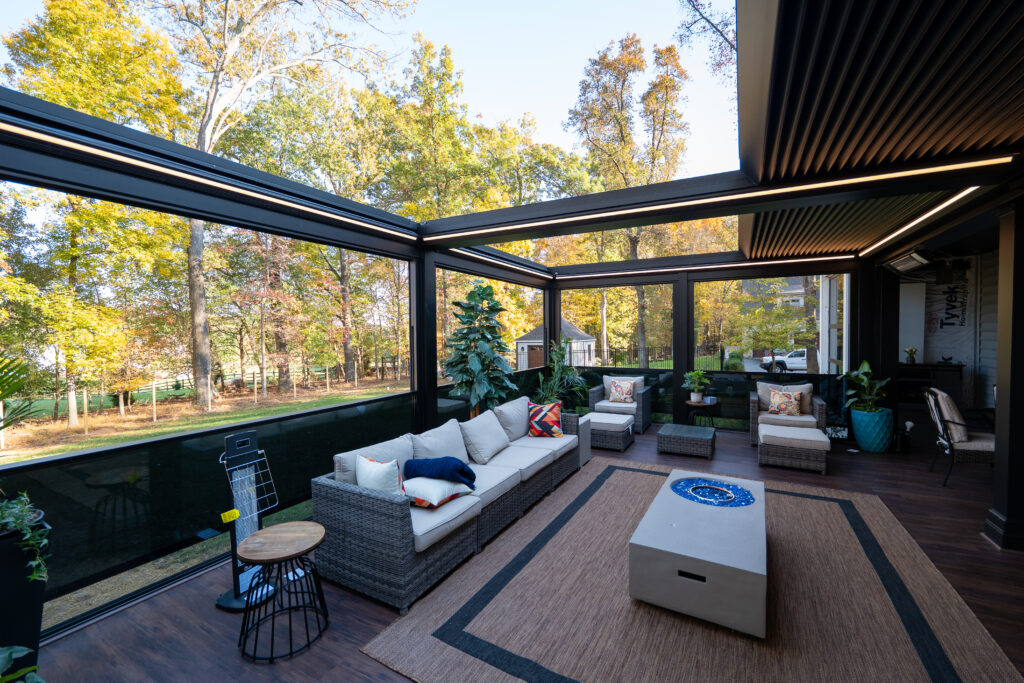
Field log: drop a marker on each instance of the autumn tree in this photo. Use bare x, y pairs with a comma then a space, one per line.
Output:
633, 140
716, 28
236, 51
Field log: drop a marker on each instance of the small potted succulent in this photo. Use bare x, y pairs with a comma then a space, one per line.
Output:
872, 424
911, 352
696, 382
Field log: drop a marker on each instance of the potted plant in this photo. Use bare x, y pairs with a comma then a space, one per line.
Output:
475, 364
562, 382
872, 424
696, 382
22, 549
25, 674
911, 352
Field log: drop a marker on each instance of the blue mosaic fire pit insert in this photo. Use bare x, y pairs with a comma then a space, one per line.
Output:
712, 492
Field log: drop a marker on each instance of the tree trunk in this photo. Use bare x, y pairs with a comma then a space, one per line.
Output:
344, 278
56, 383
72, 400
604, 327
197, 310
641, 307
120, 402
263, 352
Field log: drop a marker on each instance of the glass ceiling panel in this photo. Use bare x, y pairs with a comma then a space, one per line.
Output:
705, 236
433, 110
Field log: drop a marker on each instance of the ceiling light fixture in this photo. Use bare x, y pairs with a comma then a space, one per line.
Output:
713, 266
88, 149
636, 211
917, 221
503, 264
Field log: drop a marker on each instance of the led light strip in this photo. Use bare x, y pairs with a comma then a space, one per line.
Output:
917, 221
713, 266
503, 264
27, 132
728, 197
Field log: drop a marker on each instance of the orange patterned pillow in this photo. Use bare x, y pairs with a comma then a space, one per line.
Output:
622, 391
784, 402
546, 419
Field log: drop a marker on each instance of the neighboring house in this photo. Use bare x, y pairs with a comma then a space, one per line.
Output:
530, 347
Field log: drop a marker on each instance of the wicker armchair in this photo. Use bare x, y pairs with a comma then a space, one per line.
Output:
818, 410
644, 399
953, 438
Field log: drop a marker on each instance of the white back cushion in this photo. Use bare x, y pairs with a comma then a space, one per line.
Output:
484, 436
399, 449
440, 442
764, 395
957, 432
514, 417
638, 384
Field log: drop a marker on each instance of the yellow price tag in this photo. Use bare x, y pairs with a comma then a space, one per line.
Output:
229, 516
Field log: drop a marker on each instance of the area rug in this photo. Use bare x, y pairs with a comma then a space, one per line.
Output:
851, 596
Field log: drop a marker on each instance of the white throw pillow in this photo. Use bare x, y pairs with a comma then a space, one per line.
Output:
399, 449
514, 417
426, 492
484, 437
440, 442
379, 476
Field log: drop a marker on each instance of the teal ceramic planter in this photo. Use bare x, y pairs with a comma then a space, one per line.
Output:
873, 431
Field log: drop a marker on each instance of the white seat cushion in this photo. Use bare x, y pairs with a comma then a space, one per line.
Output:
493, 482
982, 442
483, 436
528, 461
607, 406
431, 525
610, 422
514, 417
766, 418
793, 437
559, 444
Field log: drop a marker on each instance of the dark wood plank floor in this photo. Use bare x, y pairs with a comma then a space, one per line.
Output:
179, 635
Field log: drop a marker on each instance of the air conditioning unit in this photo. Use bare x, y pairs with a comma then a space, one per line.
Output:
908, 262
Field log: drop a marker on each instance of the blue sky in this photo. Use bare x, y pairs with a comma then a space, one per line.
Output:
528, 56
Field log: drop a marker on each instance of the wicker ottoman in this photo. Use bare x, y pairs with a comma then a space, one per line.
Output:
610, 430
687, 440
802, 447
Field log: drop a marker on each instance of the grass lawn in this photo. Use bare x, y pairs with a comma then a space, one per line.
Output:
193, 420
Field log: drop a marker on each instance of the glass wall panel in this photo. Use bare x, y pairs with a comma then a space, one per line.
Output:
99, 301
787, 330
623, 327
522, 321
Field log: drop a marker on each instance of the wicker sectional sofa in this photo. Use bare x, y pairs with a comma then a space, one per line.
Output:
381, 546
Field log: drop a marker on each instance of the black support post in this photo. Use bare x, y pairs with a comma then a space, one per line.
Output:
423, 291
682, 343
552, 318
1005, 522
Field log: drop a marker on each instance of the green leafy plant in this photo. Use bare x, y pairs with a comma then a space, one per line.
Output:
865, 398
19, 515
7, 656
475, 365
13, 375
696, 381
562, 383
911, 351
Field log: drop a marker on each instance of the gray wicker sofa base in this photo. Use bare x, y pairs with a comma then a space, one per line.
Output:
370, 546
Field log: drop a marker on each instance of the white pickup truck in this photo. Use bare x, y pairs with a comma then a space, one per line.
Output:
794, 360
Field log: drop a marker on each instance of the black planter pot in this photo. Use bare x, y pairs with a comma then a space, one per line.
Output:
22, 600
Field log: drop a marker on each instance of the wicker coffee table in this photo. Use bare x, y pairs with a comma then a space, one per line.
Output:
687, 440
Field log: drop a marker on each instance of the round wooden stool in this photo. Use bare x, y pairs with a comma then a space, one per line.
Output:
285, 594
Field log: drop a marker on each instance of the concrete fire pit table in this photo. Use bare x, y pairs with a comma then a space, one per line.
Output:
700, 550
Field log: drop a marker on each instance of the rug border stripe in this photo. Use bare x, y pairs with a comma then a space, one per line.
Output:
453, 632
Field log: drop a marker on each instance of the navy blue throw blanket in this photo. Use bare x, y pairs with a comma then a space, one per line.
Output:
447, 468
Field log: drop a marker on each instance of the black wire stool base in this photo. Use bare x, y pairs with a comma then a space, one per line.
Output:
295, 607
